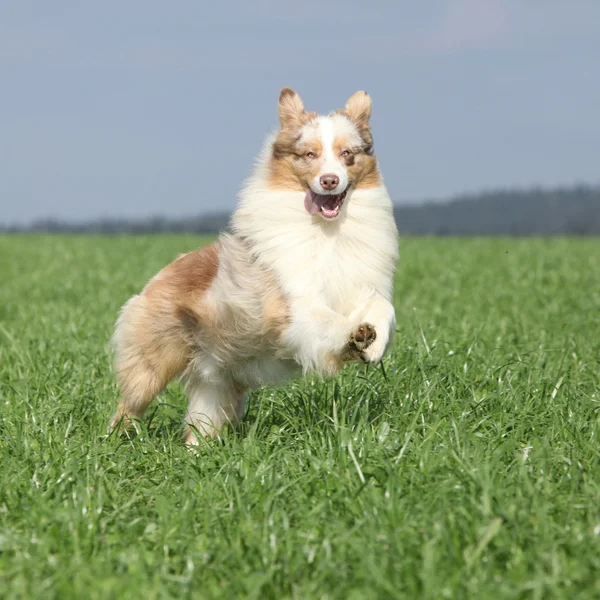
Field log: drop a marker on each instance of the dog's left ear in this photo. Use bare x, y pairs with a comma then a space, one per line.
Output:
359, 107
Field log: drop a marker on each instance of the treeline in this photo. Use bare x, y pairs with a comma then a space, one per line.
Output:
202, 224
562, 211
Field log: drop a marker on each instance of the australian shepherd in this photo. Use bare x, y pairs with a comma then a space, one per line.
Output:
303, 283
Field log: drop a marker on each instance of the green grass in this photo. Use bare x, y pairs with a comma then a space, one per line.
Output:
471, 469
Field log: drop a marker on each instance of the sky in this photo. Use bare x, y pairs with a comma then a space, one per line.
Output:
143, 108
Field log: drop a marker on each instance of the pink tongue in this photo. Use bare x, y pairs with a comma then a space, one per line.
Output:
313, 202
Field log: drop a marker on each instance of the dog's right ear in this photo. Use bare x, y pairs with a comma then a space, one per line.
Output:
359, 107
291, 109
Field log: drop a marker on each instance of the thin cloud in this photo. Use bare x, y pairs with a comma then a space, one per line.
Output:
465, 25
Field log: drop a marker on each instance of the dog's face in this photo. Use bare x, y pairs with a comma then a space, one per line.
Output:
324, 156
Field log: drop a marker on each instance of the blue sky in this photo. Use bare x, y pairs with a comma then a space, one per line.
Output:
144, 108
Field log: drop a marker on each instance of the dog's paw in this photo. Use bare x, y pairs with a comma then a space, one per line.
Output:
123, 424
362, 337
359, 340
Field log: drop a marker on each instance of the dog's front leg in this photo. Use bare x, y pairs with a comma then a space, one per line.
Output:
319, 337
379, 312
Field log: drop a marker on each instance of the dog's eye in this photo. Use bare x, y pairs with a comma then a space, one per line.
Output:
346, 153
311, 155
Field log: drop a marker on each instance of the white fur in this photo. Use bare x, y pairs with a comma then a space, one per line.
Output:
212, 406
330, 164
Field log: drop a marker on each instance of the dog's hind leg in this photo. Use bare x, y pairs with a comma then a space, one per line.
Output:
211, 407
139, 386
146, 359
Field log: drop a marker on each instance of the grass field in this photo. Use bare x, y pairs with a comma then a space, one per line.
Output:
469, 469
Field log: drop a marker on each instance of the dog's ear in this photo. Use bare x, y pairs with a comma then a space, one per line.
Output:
291, 109
359, 107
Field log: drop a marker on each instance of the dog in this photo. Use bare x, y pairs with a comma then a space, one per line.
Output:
302, 284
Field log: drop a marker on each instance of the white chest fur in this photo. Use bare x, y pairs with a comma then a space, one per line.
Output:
333, 262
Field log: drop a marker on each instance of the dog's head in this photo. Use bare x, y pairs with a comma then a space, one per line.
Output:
323, 156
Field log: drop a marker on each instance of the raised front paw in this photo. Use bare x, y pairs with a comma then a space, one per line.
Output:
359, 340
362, 337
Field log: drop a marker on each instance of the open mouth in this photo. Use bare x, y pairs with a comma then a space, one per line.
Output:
328, 205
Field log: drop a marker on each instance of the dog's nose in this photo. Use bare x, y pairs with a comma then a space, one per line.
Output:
329, 181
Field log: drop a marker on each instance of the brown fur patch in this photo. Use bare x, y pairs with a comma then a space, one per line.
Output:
283, 175
362, 167
285, 144
370, 177
276, 315
184, 281
190, 274
289, 167
152, 345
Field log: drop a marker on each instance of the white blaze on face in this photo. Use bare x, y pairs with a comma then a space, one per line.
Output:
330, 163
